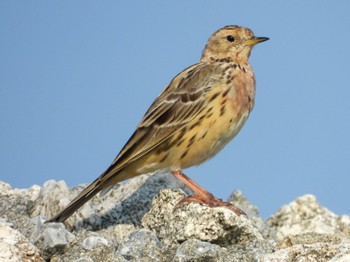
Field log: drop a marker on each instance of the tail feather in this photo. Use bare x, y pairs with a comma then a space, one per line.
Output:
105, 182
77, 202
105, 191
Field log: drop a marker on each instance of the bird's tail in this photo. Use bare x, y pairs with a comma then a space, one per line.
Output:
78, 201
104, 182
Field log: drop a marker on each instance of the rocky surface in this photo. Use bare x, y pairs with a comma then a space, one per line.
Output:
139, 220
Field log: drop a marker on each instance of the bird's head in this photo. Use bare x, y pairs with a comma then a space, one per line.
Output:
230, 43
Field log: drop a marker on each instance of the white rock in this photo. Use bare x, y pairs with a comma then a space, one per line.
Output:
305, 215
174, 223
93, 241
15, 247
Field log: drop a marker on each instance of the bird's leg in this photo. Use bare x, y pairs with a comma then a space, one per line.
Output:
202, 196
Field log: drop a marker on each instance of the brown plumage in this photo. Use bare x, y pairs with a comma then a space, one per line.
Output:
193, 118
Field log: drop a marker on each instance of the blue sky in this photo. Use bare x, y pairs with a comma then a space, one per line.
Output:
77, 76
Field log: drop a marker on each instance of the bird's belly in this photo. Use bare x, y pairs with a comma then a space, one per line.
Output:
198, 144
212, 138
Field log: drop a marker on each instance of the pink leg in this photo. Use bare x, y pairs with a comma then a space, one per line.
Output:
202, 196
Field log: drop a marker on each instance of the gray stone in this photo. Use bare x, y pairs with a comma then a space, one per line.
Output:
142, 244
55, 235
84, 259
51, 235
15, 204
93, 241
239, 200
195, 250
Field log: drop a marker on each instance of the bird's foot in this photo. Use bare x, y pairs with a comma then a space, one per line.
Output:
211, 201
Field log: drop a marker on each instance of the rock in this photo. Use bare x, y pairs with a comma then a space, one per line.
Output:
93, 241
239, 200
174, 224
15, 247
126, 203
315, 252
306, 231
15, 203
306, 215
50, 238
55, 236
194, 250
140, 220
141, 245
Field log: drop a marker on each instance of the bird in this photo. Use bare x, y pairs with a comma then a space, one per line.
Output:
194, 117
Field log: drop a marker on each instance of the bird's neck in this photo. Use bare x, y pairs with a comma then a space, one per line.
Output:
227, 59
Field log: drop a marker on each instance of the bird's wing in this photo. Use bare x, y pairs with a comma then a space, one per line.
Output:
181, 101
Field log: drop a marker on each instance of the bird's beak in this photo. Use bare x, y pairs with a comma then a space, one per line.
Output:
256, 40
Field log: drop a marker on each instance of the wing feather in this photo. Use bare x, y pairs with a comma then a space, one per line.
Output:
181, 101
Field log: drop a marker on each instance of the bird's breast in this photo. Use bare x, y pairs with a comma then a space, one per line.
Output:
219, 123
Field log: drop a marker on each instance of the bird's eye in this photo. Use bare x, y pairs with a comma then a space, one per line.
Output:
230, 38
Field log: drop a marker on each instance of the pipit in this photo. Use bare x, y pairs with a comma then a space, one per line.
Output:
193, 118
